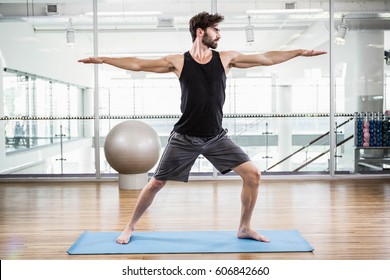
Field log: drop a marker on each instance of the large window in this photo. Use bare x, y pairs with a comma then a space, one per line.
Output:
54, 120
38, 109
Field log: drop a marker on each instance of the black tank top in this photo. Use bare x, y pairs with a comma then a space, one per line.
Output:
202, 97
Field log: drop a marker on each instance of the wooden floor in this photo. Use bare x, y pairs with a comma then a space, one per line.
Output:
341, 219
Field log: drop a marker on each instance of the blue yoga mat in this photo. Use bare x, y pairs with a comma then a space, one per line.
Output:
187, 242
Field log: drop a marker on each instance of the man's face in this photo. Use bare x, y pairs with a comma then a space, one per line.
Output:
211, 37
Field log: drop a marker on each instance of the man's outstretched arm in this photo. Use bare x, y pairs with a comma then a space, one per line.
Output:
240, 60
161, 65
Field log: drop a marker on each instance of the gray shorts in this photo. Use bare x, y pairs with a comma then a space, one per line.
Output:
182, 151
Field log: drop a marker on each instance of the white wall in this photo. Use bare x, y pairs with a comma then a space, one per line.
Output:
31, 52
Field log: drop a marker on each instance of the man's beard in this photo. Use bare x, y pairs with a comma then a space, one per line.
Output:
207, 41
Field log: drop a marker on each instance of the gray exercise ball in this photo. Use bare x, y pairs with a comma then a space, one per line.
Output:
132, 147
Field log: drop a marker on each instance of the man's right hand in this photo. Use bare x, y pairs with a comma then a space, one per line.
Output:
93, 60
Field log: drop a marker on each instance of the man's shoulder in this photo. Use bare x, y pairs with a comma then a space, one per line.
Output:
228, 56
229, 53
175, 57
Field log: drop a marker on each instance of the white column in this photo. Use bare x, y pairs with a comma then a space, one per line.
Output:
332, 109
284, 101
2, 123
96, 92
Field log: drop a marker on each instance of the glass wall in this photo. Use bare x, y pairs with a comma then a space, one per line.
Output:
361, 87
44, 115
27, 95
286, 116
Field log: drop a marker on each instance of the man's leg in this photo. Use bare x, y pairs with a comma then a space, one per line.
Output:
144, 200
251, 182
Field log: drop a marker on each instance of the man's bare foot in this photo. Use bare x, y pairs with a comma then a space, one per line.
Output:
124, 238
251, 234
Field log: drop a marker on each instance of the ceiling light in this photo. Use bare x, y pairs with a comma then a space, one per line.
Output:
249, 32
165, 21
70, 34
341, 32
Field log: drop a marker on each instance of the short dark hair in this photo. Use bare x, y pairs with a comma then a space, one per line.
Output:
203, 20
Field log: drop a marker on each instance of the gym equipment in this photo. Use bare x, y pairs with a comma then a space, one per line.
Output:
372, 129
188, 242
132, 148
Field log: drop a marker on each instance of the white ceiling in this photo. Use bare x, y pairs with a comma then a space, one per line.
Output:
121, 33
274, 16
275, 27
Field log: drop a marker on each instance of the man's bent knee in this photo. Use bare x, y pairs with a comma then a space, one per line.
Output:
249, 173
253, 178
155, 185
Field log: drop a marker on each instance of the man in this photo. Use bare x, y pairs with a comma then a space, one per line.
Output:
202, 76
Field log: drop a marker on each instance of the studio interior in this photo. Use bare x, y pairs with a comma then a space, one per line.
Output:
78, 142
